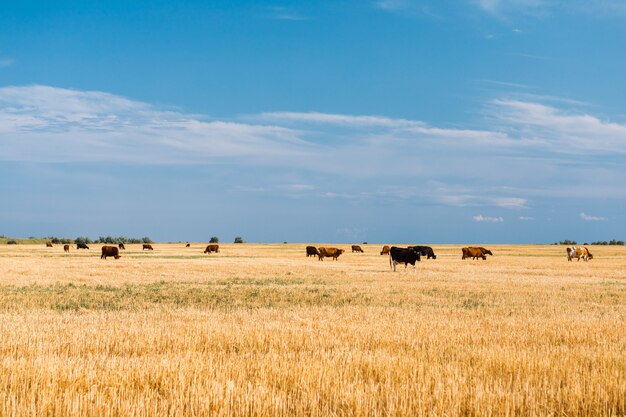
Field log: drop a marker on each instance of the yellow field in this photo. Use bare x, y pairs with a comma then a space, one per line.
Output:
261, 330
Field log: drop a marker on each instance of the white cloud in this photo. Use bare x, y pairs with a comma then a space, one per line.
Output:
487, 219
525, 150
392, 5
6, 62
589, 218
46, 124
541, 8
284, 13
526, 218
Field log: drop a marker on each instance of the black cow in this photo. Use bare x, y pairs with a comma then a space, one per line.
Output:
121, 246
402, 255
426, 251
82, 246
312, 251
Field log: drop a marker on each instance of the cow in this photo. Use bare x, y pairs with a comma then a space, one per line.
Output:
121, 246
475, 253
82, 246
312, 251
147, 247
578, 252
329, 253
48, 245
385, 250
187, 245
212, 248
66, 248
426, 251
403, 255
113, 251
357, 248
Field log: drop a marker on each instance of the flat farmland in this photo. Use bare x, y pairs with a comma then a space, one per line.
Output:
262, 330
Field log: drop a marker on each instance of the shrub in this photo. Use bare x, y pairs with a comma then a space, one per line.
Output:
238, 239
214, 239
146, 239
12, 242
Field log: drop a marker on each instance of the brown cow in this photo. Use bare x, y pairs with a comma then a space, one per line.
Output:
121, 246
66, 248
578, 252
113, 251
329, 253
187, 245
148, 247
385, 250
48, 245
212, 248
357, 248
475, 253
312, 251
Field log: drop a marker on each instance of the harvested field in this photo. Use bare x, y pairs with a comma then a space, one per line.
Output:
262, 330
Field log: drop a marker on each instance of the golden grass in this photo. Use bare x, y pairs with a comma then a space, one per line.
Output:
261, 330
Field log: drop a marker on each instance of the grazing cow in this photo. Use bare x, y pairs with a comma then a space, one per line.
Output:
48, 245
475, 253
212, 248
113, 251
401, 255
385, 250
187, 245
82, 246
329, 253
312, 251
426, 251
147, 246
121, 246
578, 252
66, 248
357, 248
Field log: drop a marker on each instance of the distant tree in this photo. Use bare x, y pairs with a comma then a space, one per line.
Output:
55, 240
146, 239
214, 239
83, 239
238, 239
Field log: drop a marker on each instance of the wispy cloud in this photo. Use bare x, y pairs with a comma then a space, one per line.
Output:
487, 219
526, 149
589, 218
6, 62
393, 5
526, 218
541, 8
284, 13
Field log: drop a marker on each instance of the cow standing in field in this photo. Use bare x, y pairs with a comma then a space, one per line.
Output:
82, 246
426, 251
212, 248
48, 245
357, 248
329, 253
66, 248
187, 245
401, 255
578, 252
312, 251
385, 250
475, 253
121, 246
147, 247
113, 251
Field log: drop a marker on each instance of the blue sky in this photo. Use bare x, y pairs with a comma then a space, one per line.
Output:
455, 121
